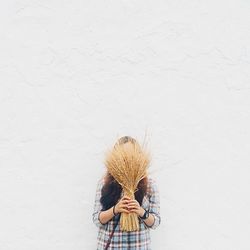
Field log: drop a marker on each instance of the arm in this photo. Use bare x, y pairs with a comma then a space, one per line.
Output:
154, 219
105, 216
150, 220
100, 217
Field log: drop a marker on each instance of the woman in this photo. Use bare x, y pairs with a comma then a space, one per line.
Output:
110, 203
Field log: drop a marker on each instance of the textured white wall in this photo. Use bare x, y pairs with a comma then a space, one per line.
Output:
75, 75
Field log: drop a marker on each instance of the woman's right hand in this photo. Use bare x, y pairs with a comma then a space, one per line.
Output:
121, 205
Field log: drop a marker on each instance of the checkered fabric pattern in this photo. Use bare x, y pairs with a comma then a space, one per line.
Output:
122, 240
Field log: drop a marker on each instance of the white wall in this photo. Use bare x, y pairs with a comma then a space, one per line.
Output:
75, 75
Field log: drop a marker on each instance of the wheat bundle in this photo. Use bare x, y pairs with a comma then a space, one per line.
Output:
128, 163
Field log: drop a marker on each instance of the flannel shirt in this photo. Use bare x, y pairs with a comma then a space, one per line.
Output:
123, 240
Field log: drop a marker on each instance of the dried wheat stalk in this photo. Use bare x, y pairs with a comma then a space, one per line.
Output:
128, 164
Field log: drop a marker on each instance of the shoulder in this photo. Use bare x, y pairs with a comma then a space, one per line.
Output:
100, 183
151, 181
101, 180
152, 186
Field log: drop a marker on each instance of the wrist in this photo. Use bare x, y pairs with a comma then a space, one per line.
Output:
145, 215
114, 212
142, 211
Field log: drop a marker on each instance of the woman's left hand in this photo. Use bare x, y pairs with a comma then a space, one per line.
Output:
134, 207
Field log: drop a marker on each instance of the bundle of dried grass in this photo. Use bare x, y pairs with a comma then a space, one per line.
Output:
128, 163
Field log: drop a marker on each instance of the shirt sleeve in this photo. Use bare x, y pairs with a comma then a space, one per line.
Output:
97, 205
154, 204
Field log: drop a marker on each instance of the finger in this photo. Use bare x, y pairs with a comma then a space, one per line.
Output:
133, 202
132, 207
124, 206
124, 202
124, 210
133, 211
125, 197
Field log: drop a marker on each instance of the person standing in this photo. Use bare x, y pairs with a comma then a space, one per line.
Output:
110, 203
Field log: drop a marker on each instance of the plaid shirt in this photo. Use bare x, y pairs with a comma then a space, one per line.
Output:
135, 240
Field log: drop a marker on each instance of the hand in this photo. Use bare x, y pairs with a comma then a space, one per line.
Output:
134, 206
121, 205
